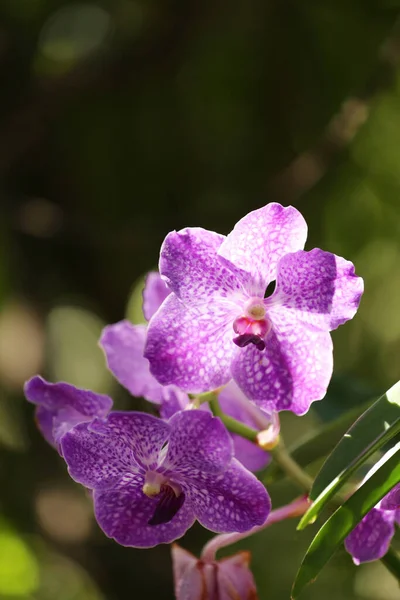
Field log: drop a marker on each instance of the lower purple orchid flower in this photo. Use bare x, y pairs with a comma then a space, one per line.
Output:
151, 479
218, 325
123, 344
371, 538
61, 406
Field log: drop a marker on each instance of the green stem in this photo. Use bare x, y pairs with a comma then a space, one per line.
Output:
231, 424
292, 469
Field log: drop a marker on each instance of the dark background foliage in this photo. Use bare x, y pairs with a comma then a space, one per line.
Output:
123, 119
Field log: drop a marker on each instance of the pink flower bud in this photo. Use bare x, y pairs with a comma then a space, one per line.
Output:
226, 579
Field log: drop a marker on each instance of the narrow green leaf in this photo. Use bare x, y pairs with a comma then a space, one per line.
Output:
336, 485
373, 424
386, 474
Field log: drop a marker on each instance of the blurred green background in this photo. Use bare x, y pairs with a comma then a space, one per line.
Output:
121, 120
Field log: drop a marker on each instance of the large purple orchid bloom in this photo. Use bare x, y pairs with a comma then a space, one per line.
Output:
371, 538
151, 479
217, 324
123, 344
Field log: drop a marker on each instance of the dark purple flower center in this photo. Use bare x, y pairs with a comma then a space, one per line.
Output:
251, 331
167, 506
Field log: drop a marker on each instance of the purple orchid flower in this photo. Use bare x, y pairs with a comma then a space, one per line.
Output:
223, 579
217, 324
370, 539
123, 345
61, 406
151, 479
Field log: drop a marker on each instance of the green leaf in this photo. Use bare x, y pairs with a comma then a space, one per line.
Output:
378, 425
385, 476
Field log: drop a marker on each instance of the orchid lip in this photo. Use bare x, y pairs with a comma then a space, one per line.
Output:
168, 505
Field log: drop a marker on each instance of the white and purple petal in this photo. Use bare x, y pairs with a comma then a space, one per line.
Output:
371, 538
123, 345
293, 371
154, 293
234, 500
191, 268
259, 241
320, 288
124, 513
198, 442
191, 348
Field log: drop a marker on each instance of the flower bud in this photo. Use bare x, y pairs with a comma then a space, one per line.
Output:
226, 579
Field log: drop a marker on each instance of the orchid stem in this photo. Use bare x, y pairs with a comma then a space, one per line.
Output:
295, 509
292, 469
231, 424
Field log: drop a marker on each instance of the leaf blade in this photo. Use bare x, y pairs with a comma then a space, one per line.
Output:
386, 475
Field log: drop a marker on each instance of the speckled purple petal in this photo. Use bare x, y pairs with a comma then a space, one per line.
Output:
61, 406
235, 404
123, 345
154, 293
55, 396
44, 420
293, 371
319, 287
173, 401
190, 348
143, 434
392, 500
371, 538
190, 266
232, 501
251, 456
123, 514
258, 242
198, 442
235, 580
96, 461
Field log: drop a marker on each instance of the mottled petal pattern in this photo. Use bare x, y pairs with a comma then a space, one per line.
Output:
293, 371
198, 442
189, 264
319, 287
190, 348
144, 435
258, 242
232, 501
123, 514
392, 500
154, 293
96, 461
371, 538
123, 345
